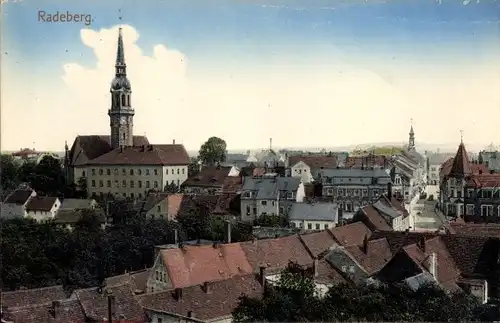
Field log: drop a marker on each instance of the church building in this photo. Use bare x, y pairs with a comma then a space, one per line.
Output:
122, 164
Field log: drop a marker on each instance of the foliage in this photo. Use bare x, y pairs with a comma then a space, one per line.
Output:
171, 188
46, 177
193, 166
195, 222
378, 151
292, 299
43, 254
269, 220
213, 151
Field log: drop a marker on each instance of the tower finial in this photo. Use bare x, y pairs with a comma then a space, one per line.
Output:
461, 136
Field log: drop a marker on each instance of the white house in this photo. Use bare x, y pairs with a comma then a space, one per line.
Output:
314, 216
14, 205
42, 208
302, 171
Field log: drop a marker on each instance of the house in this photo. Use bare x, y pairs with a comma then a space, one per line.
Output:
435, 162
77, 204
490, 157
210, 301
269, 195
68, 218
387, 213
162, 206
469, 191
353, 188
304, 166
367, 161
42, 208
314, 216
209, 180
15, 204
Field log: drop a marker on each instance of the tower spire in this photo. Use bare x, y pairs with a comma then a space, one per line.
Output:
411, 139
121, 67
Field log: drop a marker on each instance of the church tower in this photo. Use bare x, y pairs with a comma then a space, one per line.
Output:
121, 114
411, 139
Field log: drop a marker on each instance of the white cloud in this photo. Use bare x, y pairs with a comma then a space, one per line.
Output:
312, 105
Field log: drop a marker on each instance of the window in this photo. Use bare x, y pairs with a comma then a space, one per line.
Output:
375, 193
365, 192
139, 184
158, 208
147, 184
254, 210
93, 171
108, 183
183, 170
131, 184
282, 210
93, 183
156, 184
124, 194
289, 195
147, 171
326, 226
101, 171
248, 209
340, 192
177, 171
140, 195
486, 210
116, 171
469, 209
124, 183
155, 171
166, 171
178, 183
301, 225
83, 173
317, 226
263, 202
356, 192
101, 183
131, 171
139, 172
116, 184
293, 225
124, 172
157, 275
309, 226
108, 172
329, 191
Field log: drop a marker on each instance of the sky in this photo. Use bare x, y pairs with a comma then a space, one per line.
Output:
306, 73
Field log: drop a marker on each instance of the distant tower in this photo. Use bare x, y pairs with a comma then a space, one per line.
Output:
411, 139
121, 114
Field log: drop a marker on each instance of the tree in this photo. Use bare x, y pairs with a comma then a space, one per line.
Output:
49, 177
171, 188
269, 220
195, 222
213, 151
193, 166
9, 174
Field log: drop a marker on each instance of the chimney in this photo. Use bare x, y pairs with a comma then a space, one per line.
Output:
56, 309
365, 244
315, 266
190, 314
111, 307
178, 293
270, 143
173, 142
389, 191
228, 231
421, 243
433, 265
176, 237
206, 287
262, 275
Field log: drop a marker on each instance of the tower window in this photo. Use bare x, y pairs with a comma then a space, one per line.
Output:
123, 101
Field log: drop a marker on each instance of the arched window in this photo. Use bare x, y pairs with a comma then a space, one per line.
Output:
128, 100
123, 101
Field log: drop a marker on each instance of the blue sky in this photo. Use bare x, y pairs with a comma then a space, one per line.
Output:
408, 45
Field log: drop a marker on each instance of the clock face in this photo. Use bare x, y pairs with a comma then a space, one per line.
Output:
123, 119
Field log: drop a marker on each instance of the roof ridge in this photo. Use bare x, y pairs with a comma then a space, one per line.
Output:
30, 289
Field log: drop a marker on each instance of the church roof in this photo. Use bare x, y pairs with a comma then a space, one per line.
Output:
461, 164
144, 155
86, 148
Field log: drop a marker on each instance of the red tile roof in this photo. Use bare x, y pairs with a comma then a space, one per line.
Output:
475, 168
95, 304
232, 184
377, 255
373, 219
366, 161
318, 242
461, 163
67, 311
328, 274
314, 162
477, 229
86, 148
34, 296
351, 234
174, 202
193, 265
209, 176
447, 271
220, 301
41, 203
144, 155
19, 197
276, 254
484, 181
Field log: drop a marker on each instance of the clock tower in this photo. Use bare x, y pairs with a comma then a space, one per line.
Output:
121, 114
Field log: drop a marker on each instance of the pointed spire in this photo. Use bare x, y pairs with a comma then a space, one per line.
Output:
461, 163
121, 67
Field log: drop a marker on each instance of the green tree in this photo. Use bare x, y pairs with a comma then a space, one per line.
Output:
195, 222
49, 177
194, 166
9, 174
269, 220
213, 151
171, 188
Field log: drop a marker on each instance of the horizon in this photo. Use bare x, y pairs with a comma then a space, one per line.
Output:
309, 73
